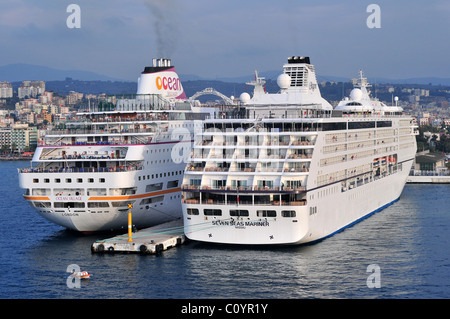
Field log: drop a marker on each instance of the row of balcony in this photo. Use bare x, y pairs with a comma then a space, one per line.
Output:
255, 188
293, 169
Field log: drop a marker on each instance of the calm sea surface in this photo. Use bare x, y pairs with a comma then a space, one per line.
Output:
408, 242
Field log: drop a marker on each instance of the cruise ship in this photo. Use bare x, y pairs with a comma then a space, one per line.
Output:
292, 169
86, 172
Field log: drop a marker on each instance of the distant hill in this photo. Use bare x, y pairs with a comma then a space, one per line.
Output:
22, 72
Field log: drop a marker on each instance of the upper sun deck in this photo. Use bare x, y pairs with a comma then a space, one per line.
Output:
124, 121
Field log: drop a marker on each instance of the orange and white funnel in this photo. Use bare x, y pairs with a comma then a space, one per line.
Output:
161, 78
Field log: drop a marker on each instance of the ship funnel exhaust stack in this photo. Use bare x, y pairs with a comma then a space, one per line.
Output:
162, 79
161, 62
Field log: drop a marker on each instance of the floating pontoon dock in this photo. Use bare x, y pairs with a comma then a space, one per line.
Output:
150, 240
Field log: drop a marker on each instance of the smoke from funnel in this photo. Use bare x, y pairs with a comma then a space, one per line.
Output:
164, 23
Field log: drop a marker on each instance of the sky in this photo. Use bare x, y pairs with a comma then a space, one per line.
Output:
230, 38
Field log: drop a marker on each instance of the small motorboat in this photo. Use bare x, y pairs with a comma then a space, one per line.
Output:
81, 274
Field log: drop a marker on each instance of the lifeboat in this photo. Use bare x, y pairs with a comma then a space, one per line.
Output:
81, 274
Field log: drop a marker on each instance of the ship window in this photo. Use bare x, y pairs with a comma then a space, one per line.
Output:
360, 125
288, 213
212, 212
123, 191
68, 180
152, 200
97, 204
333, 126
90, 180
101, 180
154, 187
195, 182
68, 191
172, 184
41, 191
35, 180
262, 199
42, 204
79, 180
239, 212
46, 180
57, 180
122, 203
192, 211
69, 204
384, 123
96, 191
266, 213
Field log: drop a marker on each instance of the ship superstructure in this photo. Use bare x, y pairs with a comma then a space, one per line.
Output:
292, 169
86, 172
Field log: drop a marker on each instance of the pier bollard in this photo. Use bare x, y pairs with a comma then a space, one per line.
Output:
130, 239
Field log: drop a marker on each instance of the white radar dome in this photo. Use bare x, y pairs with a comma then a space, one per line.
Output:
284, 81
356, 95
244, 97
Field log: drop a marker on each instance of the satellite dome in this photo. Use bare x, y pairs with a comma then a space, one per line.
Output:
356, 95
284, 81
244, 97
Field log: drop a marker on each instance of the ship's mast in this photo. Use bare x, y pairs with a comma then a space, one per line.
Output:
363, 84
258, 84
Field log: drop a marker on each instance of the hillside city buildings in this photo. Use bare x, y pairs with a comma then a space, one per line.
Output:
33, 109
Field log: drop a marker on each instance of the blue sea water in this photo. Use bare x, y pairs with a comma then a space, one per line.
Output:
408, 242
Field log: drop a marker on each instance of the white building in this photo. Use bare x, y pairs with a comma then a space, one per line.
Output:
6, 90
31, 89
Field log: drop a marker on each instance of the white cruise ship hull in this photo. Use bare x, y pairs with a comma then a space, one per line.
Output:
294, 170
334, 212
76, 206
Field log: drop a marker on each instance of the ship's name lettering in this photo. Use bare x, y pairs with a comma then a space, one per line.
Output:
240, 223
61, 198
70, 214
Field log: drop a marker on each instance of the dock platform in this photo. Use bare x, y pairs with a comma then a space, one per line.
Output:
152, 240
428, 179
